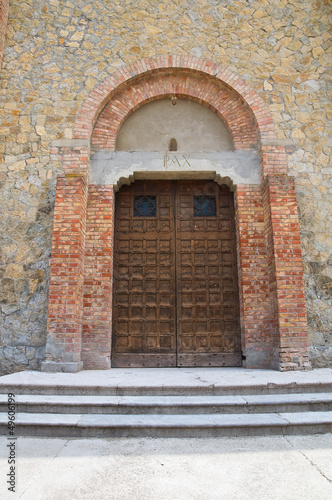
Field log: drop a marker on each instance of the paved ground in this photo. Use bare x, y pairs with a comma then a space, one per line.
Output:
276, 468
253, 468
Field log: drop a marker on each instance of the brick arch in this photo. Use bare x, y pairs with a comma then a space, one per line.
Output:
213, 94
210, 72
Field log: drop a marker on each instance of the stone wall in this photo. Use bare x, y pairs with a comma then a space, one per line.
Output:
57, 51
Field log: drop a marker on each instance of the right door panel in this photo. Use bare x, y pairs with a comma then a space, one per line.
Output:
208, 329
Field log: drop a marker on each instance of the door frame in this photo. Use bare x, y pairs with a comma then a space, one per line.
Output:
175, 191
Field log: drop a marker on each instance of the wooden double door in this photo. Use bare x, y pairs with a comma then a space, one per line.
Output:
175, 296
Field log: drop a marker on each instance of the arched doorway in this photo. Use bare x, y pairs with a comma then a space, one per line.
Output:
272, 306
175, 297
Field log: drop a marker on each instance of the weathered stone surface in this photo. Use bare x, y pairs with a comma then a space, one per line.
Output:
57, 51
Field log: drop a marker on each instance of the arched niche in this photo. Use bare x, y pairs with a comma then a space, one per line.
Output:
174, 124
211, 129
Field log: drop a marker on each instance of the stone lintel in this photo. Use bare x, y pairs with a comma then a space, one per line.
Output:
115, 167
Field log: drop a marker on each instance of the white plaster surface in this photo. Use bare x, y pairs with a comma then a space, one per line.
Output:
241, 468
117, 167
195, 128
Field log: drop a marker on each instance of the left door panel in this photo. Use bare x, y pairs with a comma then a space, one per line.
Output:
144, 323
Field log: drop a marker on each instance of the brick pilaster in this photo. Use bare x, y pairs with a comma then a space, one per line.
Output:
257, 339
274, 160
286, 272
97, 301
65, 307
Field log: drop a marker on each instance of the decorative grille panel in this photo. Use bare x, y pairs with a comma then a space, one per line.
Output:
205, 206
145, 206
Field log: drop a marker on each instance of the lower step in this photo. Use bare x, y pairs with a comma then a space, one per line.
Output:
97, 425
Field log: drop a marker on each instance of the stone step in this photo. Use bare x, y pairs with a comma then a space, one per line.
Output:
168, 389
168, 382
82, 404
168, 402
204, 425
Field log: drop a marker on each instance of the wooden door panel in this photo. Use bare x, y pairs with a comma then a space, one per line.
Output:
206, 280
175, 283
144, 331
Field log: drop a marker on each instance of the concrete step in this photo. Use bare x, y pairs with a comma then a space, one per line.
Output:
204, 425
168, 402
208, 404
169, 390
168, 382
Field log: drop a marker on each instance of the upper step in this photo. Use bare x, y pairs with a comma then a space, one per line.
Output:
168, 382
